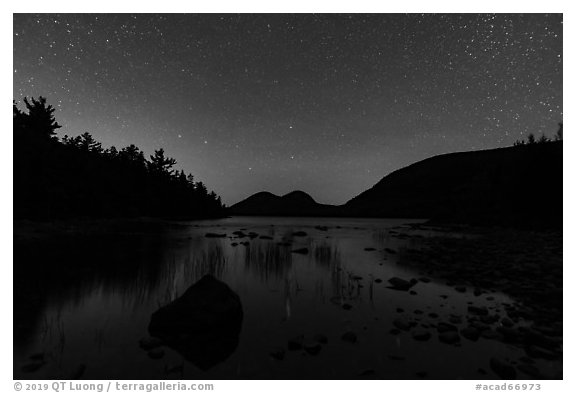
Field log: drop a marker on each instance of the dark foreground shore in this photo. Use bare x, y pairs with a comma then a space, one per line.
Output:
525, 265
402, 300
26, 231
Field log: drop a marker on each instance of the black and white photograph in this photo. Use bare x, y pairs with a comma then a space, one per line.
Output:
287, 196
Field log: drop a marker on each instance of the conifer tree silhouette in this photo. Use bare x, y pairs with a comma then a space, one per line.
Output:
76, 176
558, 136
161, 164
40, 117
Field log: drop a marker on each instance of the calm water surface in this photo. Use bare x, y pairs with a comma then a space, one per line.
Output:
96, 308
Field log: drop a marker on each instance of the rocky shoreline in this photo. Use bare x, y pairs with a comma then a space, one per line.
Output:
525, 265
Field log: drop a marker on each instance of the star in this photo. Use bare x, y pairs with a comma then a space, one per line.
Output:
355, 97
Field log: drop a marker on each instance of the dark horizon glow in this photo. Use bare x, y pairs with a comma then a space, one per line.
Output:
324, 103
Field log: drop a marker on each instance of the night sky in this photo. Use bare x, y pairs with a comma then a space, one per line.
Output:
327, 104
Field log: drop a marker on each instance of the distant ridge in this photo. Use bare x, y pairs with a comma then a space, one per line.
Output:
514, 186
295, 203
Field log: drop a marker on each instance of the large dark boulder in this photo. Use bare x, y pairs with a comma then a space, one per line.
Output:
203, 325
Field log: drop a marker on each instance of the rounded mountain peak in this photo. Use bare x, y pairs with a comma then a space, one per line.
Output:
299, 197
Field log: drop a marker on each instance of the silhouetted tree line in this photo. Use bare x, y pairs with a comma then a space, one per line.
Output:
76, 176
531, 139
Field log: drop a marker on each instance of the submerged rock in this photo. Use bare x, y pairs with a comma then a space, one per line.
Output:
295, 343
530, 370
446, 327
401, 324
148, 343
37, 357
477, 310
278, 354
399, 284
79, 372
32, 367
502, 369
312, 348
470, 333
489, 334
156, 353
536, 337
322, 339
539, 352
210, 234
449, 337
509, 334
350, 337
455, 319
421, 335
203, 324
480, 325
507, 322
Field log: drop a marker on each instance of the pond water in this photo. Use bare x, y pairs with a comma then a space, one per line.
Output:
92, 300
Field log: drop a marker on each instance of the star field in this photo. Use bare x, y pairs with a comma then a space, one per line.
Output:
328, 104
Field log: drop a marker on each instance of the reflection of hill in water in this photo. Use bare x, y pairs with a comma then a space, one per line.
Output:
138, 267
60, 270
